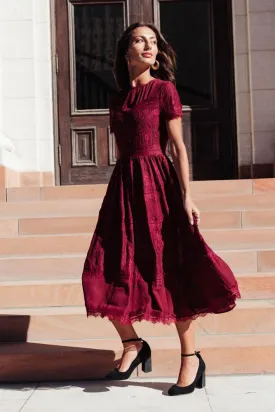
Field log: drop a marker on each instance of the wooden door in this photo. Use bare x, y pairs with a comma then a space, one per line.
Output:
86, 33
200, 31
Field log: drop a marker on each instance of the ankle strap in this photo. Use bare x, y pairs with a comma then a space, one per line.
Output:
190, 354
132, 340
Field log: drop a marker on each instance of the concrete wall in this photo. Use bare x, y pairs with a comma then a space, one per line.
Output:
254, 39
26, 121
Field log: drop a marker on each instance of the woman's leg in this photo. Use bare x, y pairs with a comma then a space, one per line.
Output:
190, 364
131, 349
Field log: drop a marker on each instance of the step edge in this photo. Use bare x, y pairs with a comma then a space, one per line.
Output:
169, 343
241, 304
77, 281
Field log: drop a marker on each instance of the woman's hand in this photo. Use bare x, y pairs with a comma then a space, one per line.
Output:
191, 210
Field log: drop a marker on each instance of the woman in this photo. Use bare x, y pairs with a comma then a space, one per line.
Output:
147, 259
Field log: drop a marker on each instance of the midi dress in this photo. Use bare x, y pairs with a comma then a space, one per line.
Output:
146, 261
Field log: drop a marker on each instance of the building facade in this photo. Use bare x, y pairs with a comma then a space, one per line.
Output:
56, 60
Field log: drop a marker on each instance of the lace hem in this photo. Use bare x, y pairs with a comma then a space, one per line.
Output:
222, 305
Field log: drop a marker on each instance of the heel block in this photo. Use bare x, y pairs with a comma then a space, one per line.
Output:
201, 382
147, 365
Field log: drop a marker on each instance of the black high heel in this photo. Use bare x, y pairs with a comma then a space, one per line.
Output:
199, 381
143, 358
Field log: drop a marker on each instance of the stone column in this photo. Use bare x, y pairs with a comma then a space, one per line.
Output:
26, 93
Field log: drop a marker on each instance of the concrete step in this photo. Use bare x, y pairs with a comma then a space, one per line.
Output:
240, 239
35, 293
29, 194
86, 224
223, 354
57, 225
205, 188
266, 261
51, 208
235, 239
91, 359
257, 219
45, 245
253, 202
257, 285
90, 207
54, 267
263, 185
43, 268
39, 324
68, 292
8, 227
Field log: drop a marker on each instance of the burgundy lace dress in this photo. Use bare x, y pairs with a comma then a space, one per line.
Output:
145, 261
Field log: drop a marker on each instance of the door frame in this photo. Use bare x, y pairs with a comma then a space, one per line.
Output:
155, 16
57, 168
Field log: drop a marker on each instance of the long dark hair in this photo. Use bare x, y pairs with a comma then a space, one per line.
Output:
166, 57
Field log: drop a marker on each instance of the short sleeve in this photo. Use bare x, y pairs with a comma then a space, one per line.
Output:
171, 106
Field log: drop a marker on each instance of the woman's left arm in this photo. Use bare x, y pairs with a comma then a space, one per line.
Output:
181, 164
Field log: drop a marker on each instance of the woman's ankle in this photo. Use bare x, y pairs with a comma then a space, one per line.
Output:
135, 344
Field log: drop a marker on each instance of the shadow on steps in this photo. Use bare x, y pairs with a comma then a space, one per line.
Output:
23, 361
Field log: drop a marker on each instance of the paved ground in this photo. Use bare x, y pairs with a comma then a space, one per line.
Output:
222, 394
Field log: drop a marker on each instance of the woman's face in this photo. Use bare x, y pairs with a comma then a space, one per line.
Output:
143, 48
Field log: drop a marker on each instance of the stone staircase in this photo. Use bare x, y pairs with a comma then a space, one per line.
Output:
44, 332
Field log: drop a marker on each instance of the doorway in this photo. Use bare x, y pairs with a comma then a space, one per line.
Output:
200, 31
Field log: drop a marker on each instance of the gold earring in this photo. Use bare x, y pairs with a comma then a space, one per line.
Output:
155, 66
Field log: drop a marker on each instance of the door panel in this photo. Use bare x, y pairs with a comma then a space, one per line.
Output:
95, 28
200, 33
86, 41
187, 26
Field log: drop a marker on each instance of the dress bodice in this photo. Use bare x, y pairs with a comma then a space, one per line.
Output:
138, 117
